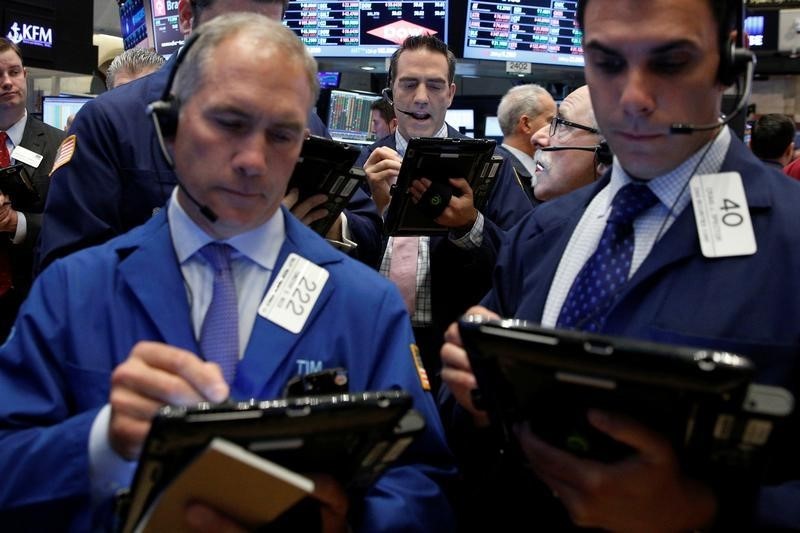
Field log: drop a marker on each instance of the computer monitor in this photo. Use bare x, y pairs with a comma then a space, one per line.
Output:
167, 34
329, 79
132, 22
57, 109
529, 31
461, 119
364, 28
761, 28
349, 116
491, 129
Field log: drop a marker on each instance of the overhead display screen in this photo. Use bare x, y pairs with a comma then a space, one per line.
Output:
532, 31
361, 28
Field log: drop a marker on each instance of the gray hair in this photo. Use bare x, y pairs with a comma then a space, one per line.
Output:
133, 61
266, 32
528, 99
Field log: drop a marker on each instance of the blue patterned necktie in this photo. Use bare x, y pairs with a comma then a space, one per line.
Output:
599, 281
219, 336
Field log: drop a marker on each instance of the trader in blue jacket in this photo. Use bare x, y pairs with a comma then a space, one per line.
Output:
113, 332
723, 280
116, 178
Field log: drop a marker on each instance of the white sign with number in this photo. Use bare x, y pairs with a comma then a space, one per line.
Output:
293, 293
723, 219
518, 67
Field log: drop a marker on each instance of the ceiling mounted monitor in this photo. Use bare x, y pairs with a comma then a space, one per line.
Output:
528, 31
364, 29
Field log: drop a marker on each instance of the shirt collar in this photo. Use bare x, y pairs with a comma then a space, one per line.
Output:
15, 132
261, 245
671, 188
524, 158
401, 143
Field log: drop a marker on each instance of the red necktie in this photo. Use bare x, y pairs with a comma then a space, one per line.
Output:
5, 260
5, 157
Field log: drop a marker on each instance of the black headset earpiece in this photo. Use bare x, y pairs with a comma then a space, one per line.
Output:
604, 154
733, 62
166, 109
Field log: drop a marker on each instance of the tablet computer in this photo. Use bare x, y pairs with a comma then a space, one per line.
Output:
351, 436
700, 399
439, 159
326, 167
14, 183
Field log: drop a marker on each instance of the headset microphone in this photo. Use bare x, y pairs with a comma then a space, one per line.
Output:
387, 95
602, 151
164, 113
732, 63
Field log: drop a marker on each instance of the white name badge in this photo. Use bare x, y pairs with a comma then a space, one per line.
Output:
26, 156
292, 295
723, 219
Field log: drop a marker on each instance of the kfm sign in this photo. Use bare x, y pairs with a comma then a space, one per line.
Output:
21, 32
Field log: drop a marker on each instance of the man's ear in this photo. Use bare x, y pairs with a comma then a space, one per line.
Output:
185, 17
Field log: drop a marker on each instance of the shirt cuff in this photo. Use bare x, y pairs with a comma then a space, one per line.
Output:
22, 229
346, 244
108, 472
472, 239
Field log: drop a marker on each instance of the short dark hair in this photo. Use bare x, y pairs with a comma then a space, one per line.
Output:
8, 44
199, 5
385, 109
724, 12
771, 135
418, 42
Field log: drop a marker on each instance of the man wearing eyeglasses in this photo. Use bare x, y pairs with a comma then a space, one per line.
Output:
569, 153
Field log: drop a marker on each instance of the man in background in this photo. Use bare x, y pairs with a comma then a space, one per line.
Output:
772, 139
114, 177
438, 279
28, 142
382, 118
523, 111
131, 65
569, 153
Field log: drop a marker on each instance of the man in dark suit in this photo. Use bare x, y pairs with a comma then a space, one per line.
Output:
523, 110
27, 141
451, 271
671, 282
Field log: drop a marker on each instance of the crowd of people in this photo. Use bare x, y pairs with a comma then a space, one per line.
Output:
138, 271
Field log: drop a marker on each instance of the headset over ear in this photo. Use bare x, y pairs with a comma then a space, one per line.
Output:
165, 111
733, 62
603, 153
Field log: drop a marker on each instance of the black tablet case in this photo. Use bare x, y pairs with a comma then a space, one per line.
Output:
440, 159
551, 377
353, 437
326, 167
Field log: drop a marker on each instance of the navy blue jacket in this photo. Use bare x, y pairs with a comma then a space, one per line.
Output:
748, 305
87, 311
118, 178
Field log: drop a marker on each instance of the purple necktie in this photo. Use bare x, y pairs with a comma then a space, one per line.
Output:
599, 282
219, 336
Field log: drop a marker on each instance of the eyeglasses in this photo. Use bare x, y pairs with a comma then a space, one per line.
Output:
556, 120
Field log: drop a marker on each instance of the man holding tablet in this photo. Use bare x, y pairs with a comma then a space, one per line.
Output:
223, 293
688, 240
